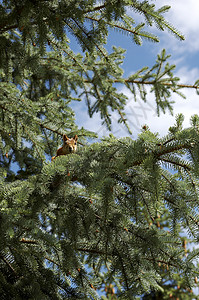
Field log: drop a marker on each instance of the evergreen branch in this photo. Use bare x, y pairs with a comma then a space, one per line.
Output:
162, 152
146, 241
50, 129
186, 167
133, 31
123, 270
8, 264
88, 37
34, 242
148, 11
194, 220
52, 261
123, 119
15, 26
37, 121
15, 13
173, 149
168, 141
192, 181
143, 82
161, 261
49, 146
167, 179
145, 202
96, 8
4, 29
31, 139
94, 251
97, 251
54, 225
171, 202
70, 55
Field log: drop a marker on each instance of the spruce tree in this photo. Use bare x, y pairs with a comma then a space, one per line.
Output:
111, 221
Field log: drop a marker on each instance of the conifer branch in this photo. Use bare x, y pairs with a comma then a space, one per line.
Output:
162, 152
95, 213
143, 82
50, 129
49, 146
123, 270
161, 261
52, 261
69, 54
132, 31
88, 37
37, 121
194, 220
171, 202
34, 242
94, 251
8, 264
169, 181
173, 149
95, 8
167, 141
31, 139
4, 29
154, 16
162, 83
184, 166
146, 204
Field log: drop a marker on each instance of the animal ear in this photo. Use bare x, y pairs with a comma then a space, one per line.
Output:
65, 137
75, 137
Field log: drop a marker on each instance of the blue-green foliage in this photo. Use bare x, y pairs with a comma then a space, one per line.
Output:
101, 207
110, 217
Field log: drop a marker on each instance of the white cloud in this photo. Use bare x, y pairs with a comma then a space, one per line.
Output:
184, 16
140, 113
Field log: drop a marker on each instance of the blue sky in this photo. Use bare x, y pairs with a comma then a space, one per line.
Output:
185, 54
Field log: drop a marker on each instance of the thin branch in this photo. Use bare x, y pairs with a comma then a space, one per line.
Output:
52, 261
8, 264
70, 55
123, 270
124, 28
163, 83
94, 251
40, 124
176, 163
148, 83
194, 220
3, 29
162, 152
96, 8
173, 149
160, 261
168, 141
145, 202
97, 46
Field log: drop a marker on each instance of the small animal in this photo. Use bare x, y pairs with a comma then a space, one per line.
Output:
69, 146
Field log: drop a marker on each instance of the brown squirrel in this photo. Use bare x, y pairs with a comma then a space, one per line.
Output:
69, 146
